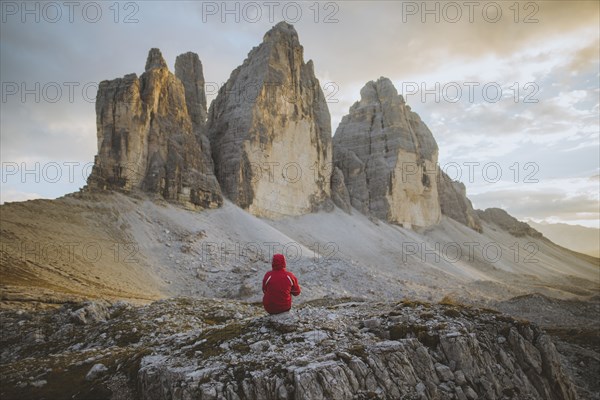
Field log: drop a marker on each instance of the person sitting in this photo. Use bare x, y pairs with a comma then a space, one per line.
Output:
277, 285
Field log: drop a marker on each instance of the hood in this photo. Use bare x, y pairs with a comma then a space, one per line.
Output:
278, 261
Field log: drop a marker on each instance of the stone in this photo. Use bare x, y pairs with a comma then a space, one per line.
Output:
260, 346
147, 140
372, 323
553, 369
270, 131
454, 202
459, 377
388, 158
444, 372
92, 311
315, 336
95, 372
460, 395
470, 393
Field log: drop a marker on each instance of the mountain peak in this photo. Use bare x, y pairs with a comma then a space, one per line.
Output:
155, 59
188, 68
281, 31
286, 122
150, 134
379, 91
378, 137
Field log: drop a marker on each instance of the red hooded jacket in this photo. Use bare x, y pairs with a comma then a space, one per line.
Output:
277, 286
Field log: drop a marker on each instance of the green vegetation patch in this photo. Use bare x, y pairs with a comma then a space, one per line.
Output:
212, 339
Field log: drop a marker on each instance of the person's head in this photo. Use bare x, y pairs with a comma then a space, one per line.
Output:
278, 261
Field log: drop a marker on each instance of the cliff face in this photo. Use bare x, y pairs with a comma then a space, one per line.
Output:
454, 202
188, 69
147, 139
270, 133
388, 158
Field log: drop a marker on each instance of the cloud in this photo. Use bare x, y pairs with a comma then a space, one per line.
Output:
536, 205
585, 57
567, 200
48, 132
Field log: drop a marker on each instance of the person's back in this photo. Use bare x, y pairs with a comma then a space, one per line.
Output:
278, 285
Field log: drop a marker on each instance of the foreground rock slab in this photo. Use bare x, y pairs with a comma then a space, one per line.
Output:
331, 349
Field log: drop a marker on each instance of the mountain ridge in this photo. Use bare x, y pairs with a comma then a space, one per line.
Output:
578, 238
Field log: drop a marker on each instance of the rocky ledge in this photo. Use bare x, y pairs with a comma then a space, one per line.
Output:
217, 349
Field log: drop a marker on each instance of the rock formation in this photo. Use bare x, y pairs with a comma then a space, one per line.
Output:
454, 202
339, 191
217, 349
147, 140
188, 69
508, 223
270, 133
355, 353
388, 158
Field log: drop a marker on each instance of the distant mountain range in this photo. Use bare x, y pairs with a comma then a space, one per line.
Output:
578, 238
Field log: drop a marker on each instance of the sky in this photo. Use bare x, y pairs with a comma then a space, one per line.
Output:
509, 89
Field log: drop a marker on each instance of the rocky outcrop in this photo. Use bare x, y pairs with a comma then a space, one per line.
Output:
389, 158
188, 69
507, 222
270, 133
147, 139
454, 202
339, 191
215, 349
348, 351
